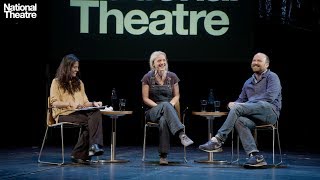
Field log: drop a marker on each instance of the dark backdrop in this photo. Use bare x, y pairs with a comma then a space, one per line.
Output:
27, 71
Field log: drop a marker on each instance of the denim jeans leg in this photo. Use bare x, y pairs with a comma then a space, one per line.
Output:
166, 115
171, 117
164, 136
244, 126
256, 110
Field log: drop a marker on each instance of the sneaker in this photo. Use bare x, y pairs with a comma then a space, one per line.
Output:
95, 150
163, 161
211, 146
185, 140
255, 161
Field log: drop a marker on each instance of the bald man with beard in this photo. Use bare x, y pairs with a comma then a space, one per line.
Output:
258, 103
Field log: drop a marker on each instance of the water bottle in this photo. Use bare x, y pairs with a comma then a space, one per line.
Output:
114, 99
211, 101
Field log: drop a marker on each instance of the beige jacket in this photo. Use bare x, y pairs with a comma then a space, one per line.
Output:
58, 94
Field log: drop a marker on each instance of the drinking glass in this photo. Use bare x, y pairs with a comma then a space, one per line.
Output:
203, 104
122, 104
217, 106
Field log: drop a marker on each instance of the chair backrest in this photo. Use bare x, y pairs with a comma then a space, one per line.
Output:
50, 119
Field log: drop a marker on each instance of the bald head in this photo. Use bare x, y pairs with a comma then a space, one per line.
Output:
263, 56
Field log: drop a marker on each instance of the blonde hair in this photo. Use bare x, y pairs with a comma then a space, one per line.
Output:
153, 57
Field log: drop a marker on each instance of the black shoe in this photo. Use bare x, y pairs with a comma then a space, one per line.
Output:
211, 146
255, 161
95, 150
80, 161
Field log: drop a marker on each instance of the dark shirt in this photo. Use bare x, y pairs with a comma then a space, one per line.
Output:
157, 92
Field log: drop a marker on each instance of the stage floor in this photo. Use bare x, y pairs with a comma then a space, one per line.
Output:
22, 163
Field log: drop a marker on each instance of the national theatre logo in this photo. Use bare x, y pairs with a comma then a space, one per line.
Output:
19, 11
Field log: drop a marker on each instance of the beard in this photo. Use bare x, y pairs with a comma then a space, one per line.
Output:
256, 69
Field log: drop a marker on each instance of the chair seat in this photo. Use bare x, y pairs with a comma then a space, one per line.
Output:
152, 124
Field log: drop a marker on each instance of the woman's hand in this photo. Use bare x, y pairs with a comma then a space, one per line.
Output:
79, 106
73, 105
96, 104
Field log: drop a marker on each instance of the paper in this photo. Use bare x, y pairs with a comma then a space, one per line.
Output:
107, 109
89, 108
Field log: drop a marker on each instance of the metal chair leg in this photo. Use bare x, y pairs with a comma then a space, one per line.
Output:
62, 146
185, 150
278, 136
275, 132
144, 142
232, 148
42, 146
43, 142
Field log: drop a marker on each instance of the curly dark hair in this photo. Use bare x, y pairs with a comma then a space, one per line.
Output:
63, 74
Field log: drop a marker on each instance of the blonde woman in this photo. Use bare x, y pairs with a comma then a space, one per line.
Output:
160, 92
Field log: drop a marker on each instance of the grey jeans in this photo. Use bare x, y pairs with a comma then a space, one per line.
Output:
244, 117
166, 115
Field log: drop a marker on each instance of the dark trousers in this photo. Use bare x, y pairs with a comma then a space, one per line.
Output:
92, 132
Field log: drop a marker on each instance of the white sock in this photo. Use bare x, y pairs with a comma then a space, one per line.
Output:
214, 139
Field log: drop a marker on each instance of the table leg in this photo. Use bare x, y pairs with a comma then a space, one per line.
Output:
113, 145
210, 154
